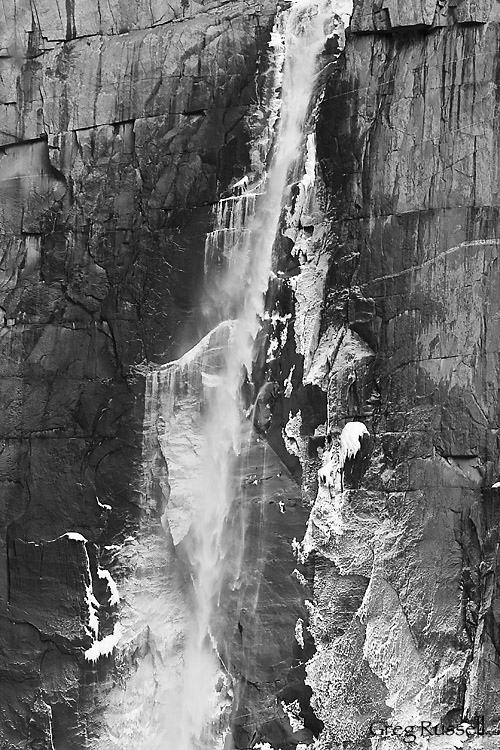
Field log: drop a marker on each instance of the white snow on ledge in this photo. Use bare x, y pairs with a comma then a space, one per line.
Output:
105, 646
104, 506
350, 440
74, 535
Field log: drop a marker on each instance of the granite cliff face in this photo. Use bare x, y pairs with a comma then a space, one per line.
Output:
405, 620
121, 125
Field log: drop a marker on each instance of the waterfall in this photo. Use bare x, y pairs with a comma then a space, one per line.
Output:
195, 408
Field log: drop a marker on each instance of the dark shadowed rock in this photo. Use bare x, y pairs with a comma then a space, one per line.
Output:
119, 126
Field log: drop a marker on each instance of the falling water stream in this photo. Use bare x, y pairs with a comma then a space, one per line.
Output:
201, 420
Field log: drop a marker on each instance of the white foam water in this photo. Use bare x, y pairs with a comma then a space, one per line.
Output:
195, 404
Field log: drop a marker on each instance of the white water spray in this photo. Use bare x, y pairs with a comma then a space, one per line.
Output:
201, 472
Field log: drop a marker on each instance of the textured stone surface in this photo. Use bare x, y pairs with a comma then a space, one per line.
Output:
408, 151
120, 124
27, 26
384, 15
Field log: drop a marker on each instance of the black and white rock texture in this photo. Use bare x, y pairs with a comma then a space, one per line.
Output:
406, 610
120, 125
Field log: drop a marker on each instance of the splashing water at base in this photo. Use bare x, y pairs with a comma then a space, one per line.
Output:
215, 375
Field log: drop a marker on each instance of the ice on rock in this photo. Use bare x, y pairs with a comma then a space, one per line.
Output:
104, 646
114, 596
74, 536
298, 551
299, 632
92, 603
104, 506
92, 606
278, 334
327, 472
350, 440
288, 383
292, 710
240, 186
300, 578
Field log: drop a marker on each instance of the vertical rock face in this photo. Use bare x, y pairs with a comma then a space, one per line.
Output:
119, 125
407, 343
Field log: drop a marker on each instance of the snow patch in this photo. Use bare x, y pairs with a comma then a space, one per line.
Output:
105, 646
292, 711
495, 486
298, 551
114, 596
350, 440
104, 506
92, 629
92, 606
299, 632
343, 8
241, 186
288, 383
72, 535
92, 626
277, 41
300, 578
277, 337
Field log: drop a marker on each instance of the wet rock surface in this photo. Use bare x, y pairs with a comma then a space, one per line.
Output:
263, 606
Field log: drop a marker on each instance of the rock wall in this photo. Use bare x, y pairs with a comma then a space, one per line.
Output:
120, 124
406, 341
